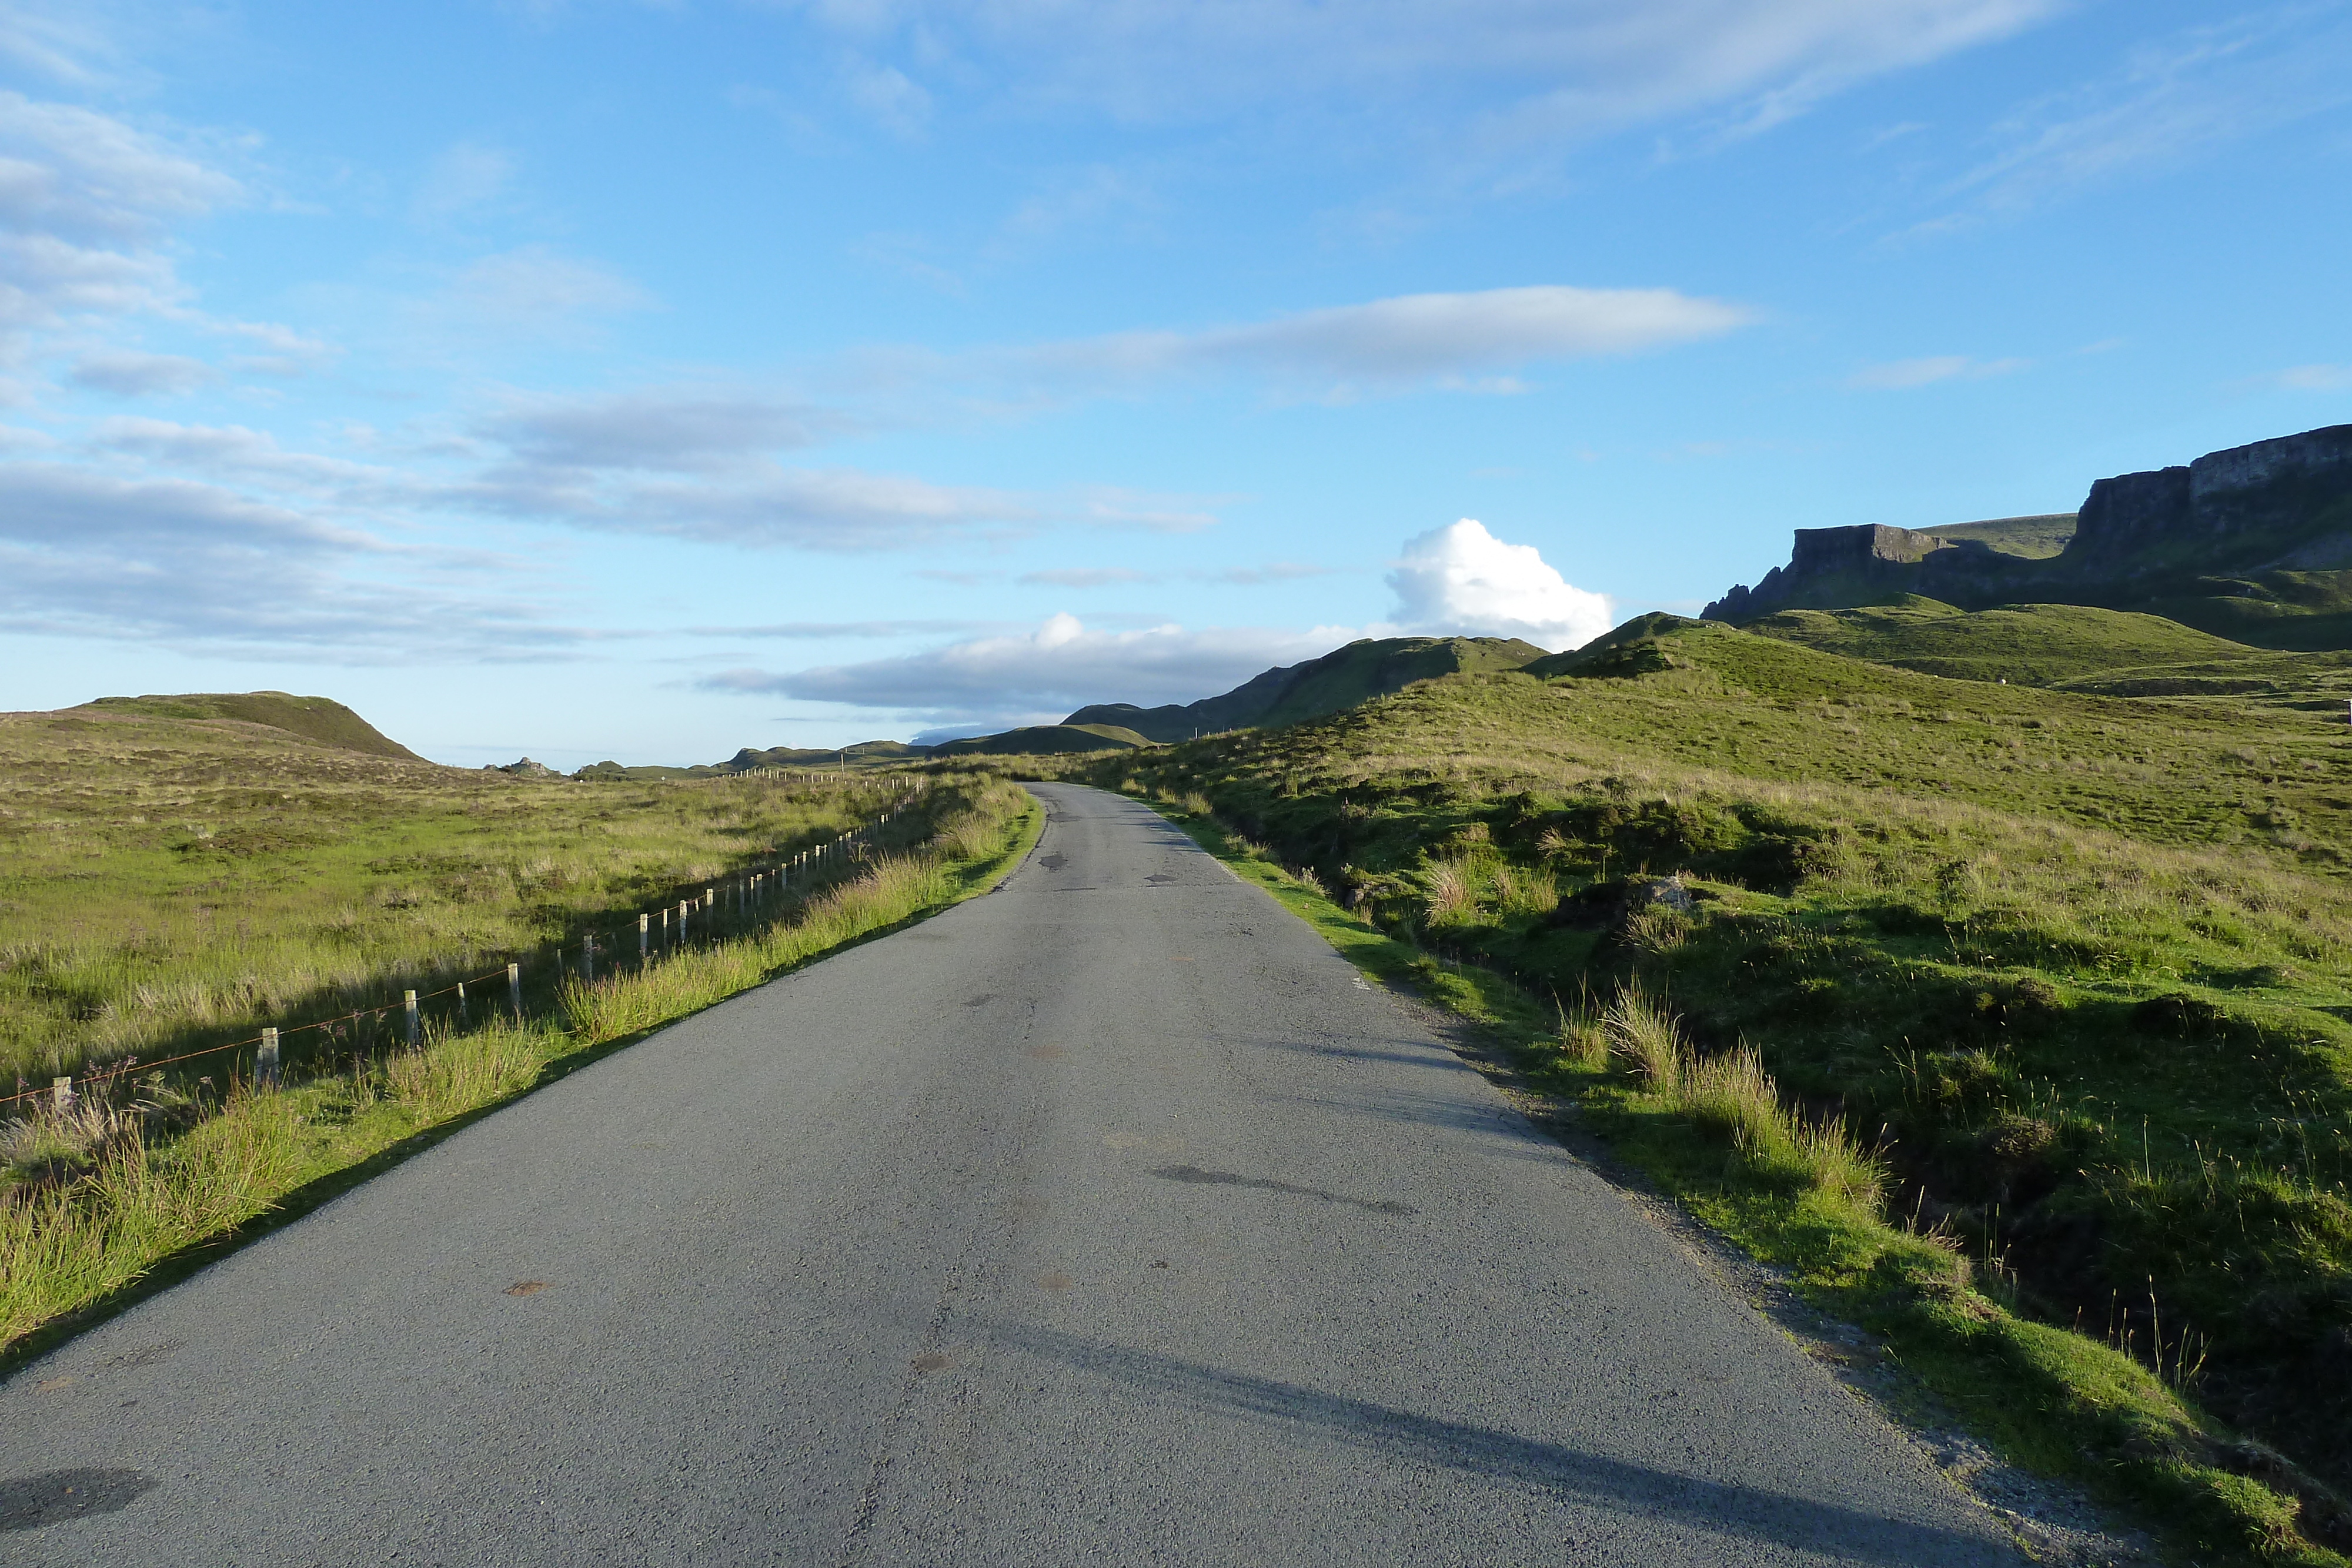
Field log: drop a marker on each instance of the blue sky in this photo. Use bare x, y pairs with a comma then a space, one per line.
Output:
644, 381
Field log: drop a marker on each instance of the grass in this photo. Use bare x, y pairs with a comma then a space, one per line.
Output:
161, 1173
2012, 1022
170, 882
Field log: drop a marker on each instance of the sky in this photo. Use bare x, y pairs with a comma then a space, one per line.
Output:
644, 381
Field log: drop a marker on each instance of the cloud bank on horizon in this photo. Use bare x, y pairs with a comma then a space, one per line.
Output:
1456, 581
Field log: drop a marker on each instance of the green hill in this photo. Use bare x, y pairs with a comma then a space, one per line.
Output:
2025, 644
319, 720
1045, 741
1364, 669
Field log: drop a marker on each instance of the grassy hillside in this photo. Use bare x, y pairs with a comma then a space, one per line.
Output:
2025, 644
1042, 740
1365, 668
321, 720
2036, 538
2065, 976
167, 881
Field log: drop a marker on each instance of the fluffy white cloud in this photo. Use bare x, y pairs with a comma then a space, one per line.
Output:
1061, 666
1460, 579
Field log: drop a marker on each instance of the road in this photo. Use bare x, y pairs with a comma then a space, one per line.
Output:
1108, 1218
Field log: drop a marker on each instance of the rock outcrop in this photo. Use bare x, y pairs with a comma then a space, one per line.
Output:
2254, 542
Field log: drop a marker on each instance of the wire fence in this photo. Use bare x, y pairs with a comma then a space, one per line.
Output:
660, 933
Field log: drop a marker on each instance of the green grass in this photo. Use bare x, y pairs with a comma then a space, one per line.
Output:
167, 1175
2025, 644
2074, 972
321, 720
167, 883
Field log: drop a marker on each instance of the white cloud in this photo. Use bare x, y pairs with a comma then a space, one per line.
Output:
1461, 579
1061, 665
533, 291
194, 565
2167, 103
2313, 378
1512, 72
464, 177
1086, 576
676, 429
85, 203
1902, 375
128, 374
1414, 339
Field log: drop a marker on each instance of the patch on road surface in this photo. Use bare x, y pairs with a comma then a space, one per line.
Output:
1196, 1177
55, 1496
1045, 1052
526, 1287
932, 1360
1053, 862
1055, 1280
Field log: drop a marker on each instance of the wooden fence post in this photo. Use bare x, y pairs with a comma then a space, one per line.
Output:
408, 1007
61, 1095
644, 932
463, 1018
514, 990
588, 960
681, 923
265, 1060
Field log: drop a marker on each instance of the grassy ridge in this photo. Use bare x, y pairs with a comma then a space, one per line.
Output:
167, 1171
2073, 974
168, 884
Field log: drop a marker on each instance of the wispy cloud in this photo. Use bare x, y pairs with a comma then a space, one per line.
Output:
128, 374
1492, 72
1903, 375
2312, 378
201, 566
1410, 340
2168, 102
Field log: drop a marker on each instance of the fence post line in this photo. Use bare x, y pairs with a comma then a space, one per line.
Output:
588, 960
463, 1020
644, 932
681, 923
408, 1008
61, 1095
514, 990
265, 1060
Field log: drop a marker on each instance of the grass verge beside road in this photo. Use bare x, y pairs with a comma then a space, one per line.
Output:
177, 1174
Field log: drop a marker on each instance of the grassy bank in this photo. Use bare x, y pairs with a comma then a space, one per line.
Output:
2037, 1063
167, 883
164, 1170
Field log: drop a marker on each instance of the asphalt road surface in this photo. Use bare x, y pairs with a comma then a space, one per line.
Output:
1110, 1219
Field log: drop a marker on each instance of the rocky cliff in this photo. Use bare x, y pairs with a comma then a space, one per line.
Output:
2252, 542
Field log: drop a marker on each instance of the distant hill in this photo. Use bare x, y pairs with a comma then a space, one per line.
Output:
1043, 740
1364, 669
319, 720
2252, 543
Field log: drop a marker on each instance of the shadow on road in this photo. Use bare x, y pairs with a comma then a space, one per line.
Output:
1747, 1513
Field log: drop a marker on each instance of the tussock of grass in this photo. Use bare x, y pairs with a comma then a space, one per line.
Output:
131, 1200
